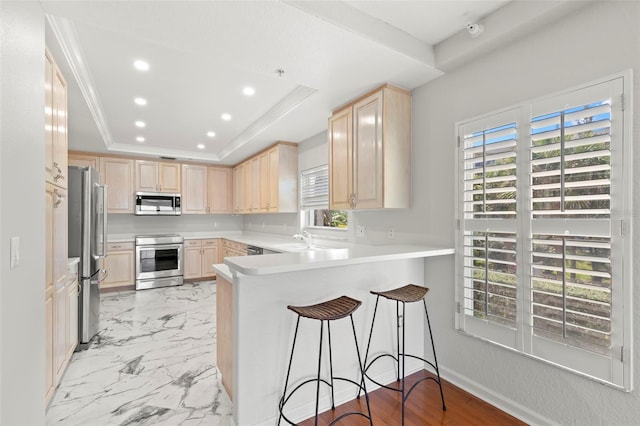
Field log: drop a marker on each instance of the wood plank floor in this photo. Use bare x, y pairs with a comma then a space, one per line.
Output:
423, 407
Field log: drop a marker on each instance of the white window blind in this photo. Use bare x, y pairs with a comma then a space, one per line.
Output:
542, 266
314, 188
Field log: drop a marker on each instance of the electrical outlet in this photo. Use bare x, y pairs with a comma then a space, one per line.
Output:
262, 225
360, 231
391, 232
215, 224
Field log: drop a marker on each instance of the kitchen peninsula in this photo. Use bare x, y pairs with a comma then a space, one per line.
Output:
253, 293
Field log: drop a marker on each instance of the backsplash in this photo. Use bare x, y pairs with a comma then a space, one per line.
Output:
131, 224
274, 223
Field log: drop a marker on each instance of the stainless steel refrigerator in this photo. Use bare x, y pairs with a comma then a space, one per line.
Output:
88, 241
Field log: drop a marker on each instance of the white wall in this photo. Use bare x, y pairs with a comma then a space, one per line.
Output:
22, 204
601, 39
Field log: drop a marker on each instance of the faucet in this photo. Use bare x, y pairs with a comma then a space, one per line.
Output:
305, 236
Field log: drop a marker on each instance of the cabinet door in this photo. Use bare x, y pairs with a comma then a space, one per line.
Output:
48, 118
72, 319
194, 189
120, 268
238, 191
147, 176
82, 160
60, 128
273, 204
255, 185
219, 190
209, 257
367, 152
340, 160
265, 183
60, 329
48, 339
169, 177
60, 224
192, 262
117, 174
247, 190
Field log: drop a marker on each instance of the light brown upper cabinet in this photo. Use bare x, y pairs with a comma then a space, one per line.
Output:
55, 124
154, 176
84, 160
206, 190
268, 181
118, 175
219, 190
370, 152
238, 189
194, 189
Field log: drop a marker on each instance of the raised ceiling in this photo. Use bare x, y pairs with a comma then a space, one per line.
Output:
202, 54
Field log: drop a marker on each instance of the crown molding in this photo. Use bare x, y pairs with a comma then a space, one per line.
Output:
67, 37
162, 152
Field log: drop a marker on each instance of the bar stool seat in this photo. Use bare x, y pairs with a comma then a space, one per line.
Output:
409, 293
334, 309
328, 311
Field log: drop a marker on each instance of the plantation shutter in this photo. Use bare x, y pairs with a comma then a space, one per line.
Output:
488, 162
575, 279
314, 188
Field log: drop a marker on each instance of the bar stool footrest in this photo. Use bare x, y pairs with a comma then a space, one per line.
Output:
283, 400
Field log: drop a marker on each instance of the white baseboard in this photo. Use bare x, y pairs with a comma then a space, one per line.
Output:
497, 400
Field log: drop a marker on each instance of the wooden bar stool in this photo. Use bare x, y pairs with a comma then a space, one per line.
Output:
408, 294
327, 311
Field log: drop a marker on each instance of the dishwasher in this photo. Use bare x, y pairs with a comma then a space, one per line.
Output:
255, 251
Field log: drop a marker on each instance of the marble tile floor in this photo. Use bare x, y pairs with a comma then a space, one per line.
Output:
152, 363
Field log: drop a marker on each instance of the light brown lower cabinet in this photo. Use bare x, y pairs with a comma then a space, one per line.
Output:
233, 248
120, 265
199, 258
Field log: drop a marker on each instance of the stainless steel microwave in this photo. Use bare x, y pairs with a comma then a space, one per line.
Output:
157, 203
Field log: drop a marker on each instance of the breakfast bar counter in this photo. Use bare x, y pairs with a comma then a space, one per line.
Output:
255, 328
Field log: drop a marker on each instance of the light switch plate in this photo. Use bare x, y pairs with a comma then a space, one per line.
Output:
14, 251
360, 231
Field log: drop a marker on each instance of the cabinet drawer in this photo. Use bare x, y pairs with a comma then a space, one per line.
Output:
192, 243
210, 243
120, 246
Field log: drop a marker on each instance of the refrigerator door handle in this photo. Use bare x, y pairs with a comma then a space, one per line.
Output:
102, 200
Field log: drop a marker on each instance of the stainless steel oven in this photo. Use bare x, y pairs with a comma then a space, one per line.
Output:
159, 261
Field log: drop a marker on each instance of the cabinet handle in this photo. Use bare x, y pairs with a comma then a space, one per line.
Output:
59, 198
55, 164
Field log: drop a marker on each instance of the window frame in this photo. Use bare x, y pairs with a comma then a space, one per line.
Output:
306, 213
523, 340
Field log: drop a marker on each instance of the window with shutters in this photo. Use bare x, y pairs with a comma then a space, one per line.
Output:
314, 201
544, 262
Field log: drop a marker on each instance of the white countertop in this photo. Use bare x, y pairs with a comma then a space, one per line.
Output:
325, 258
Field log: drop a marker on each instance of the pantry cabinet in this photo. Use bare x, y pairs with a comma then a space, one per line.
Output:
56, 299
118, 174
120, 265
370, 152
199, 258
154, 176
55, 123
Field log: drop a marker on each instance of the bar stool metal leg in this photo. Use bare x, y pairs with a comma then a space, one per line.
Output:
333, 405
318, 384
286, 381
435, 357
364, 387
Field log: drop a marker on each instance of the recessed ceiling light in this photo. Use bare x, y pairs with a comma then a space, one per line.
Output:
140, 139
226, 117
140, 124
141, 65
200, 146
140, 101
249, 91
211, 134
